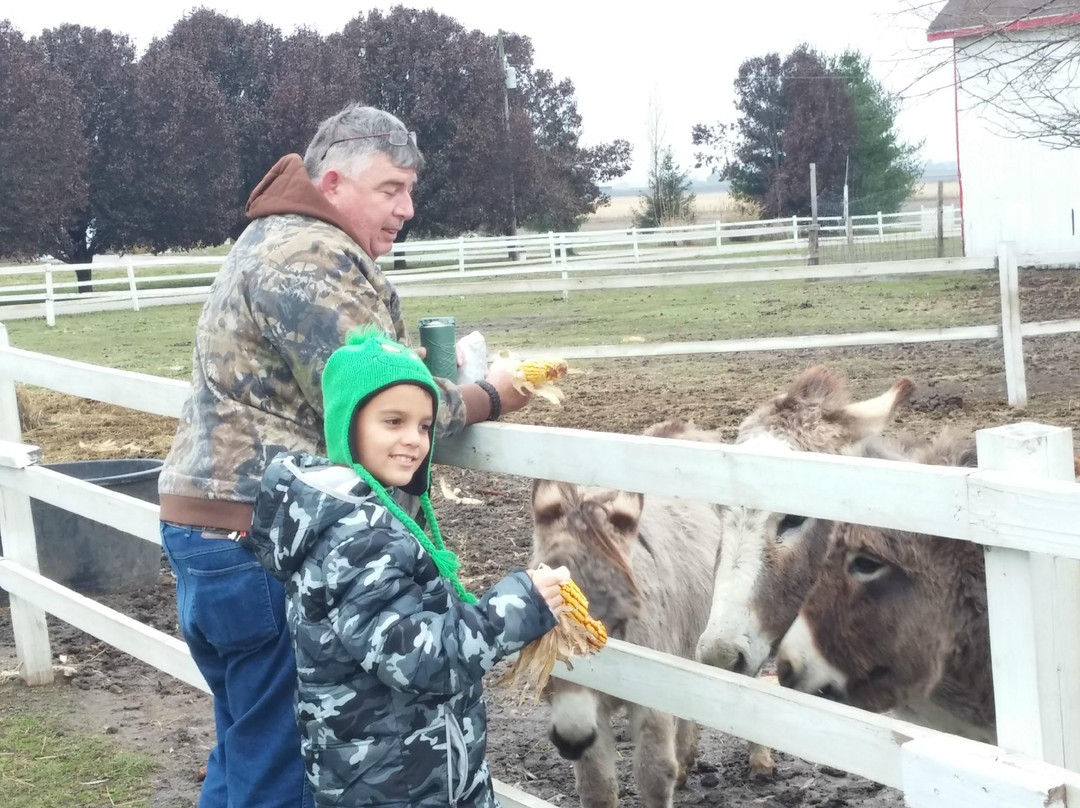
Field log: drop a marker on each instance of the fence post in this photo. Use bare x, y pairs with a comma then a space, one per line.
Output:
1033, 602
551, 248
940, 219
20, 546
719, 231
633, 238
812, 240
461, 254
880, 228
1011, 340
130, 262
50, 298
565, 274
795, 230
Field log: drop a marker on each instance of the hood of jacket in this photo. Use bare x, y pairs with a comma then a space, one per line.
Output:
287, 189
300, 497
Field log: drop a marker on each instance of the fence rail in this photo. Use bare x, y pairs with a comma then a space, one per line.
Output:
45, 290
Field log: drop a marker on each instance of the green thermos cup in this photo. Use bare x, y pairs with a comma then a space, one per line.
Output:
438, 336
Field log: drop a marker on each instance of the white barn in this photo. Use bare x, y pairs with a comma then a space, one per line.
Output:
1017, 81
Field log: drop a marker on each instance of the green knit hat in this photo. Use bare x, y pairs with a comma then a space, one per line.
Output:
366, 364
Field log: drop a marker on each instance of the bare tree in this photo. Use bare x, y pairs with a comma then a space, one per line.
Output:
1022, 78
669, 200
656, 131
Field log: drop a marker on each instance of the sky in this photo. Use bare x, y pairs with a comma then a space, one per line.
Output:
679, 57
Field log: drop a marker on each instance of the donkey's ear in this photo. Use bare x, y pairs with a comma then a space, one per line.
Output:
542, 489
548, 500
544, 493
626, 511
866, 418
816, 385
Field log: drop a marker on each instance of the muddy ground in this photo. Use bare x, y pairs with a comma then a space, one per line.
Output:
958, 384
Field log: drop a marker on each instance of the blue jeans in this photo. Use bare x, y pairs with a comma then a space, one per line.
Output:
232, 614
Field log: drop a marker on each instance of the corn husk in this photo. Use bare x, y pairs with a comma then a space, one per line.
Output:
530, 672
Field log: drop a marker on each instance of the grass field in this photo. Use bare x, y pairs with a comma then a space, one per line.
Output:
158, 340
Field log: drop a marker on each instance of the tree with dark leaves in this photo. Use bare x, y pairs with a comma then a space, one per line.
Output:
101, 68
446, 82
242, 58
750, 153
806, 109
314, 78
188, 180
42, 153
819, 128
560, 181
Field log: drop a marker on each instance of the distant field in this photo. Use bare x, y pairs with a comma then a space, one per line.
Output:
720, 206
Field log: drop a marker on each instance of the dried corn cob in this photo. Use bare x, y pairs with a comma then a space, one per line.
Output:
536, 376
538, 371
576, 634
579, 610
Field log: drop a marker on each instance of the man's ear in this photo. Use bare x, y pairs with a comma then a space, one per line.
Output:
329, 182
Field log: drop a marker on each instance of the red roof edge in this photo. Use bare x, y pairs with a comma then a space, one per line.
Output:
1070, 18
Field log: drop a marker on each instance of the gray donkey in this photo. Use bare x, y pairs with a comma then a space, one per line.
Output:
646, 567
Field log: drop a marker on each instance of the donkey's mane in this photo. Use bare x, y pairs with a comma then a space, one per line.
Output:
596, 521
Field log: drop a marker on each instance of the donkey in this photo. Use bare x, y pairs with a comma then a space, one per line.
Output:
767, 562
645, 565
897, 622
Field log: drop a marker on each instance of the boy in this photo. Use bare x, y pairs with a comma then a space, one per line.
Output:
390, 648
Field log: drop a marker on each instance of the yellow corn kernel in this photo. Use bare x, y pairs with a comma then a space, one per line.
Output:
579, 611
538, 371
572, 595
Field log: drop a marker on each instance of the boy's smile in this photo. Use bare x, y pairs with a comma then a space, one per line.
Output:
393, 433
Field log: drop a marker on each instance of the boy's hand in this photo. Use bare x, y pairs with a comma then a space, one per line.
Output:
547, 582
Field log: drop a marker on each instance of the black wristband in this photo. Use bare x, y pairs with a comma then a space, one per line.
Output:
493, 394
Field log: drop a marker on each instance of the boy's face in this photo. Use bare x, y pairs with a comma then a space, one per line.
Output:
393, 434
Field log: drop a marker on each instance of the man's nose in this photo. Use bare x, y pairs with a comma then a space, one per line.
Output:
404, 207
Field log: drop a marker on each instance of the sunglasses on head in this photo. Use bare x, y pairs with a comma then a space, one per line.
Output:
397, 137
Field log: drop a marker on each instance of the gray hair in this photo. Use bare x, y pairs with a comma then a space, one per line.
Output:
332, 149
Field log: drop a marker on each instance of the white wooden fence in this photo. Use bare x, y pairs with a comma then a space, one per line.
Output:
134, 282
1021, 503
677, 270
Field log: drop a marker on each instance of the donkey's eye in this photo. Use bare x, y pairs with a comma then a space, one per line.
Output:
866, 568
789, 522
548, 515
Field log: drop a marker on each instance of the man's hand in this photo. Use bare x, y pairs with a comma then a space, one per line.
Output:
509, 396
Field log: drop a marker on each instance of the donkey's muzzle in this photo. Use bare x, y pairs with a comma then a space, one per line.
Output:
571, 749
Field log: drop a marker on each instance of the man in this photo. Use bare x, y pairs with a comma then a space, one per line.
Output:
297, 280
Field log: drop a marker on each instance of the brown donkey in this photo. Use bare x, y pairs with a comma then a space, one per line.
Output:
897, 622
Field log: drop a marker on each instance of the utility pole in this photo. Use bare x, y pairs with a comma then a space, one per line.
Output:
509, 82
812, 236
847, 209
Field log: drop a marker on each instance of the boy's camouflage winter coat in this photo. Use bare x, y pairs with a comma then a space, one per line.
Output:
390, 661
